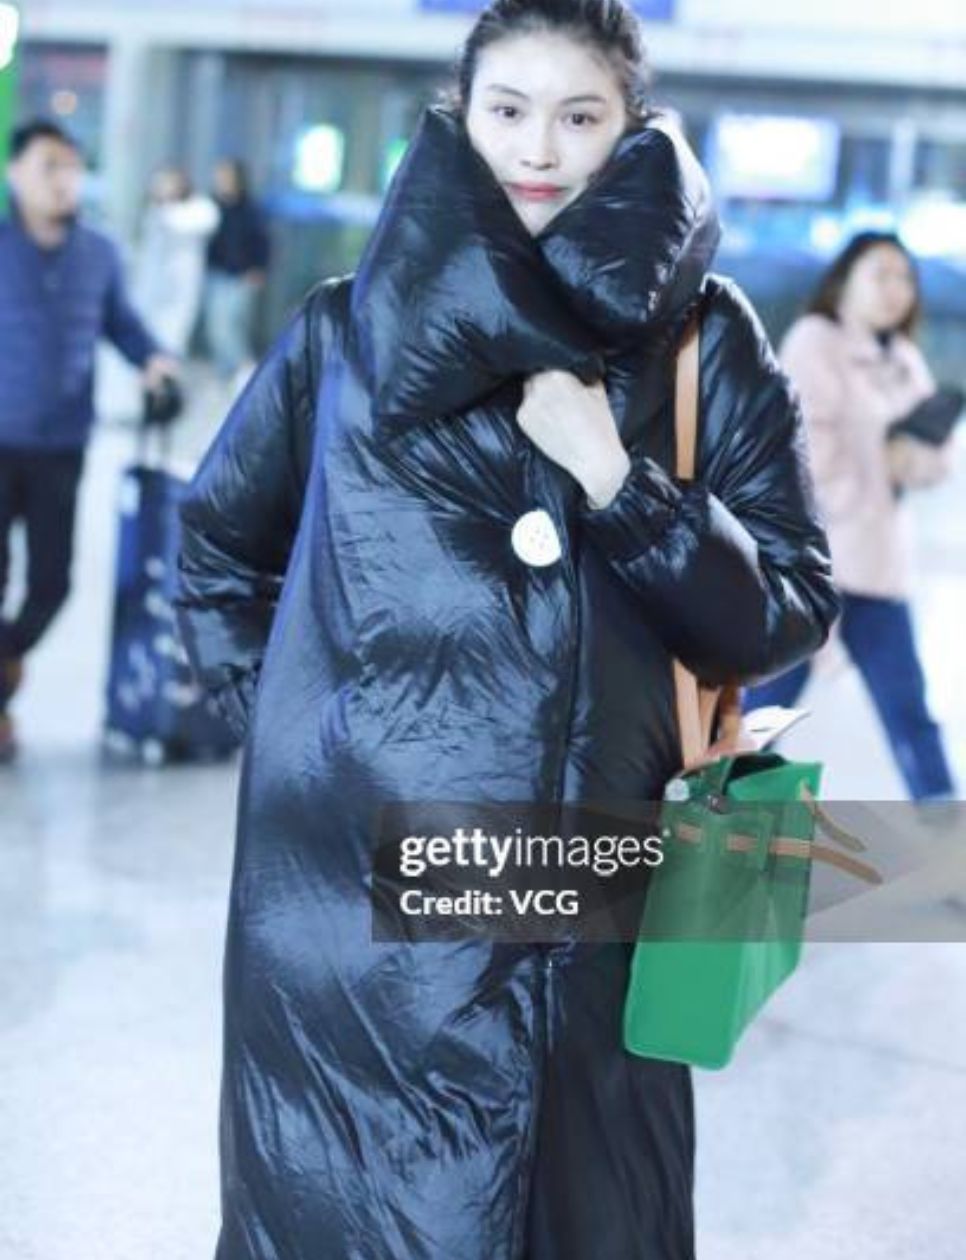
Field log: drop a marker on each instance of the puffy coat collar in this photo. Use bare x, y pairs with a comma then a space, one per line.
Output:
453, 297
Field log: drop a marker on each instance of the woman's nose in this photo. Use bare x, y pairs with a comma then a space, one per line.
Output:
538, 151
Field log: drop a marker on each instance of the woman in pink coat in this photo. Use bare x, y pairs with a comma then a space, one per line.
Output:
857, 369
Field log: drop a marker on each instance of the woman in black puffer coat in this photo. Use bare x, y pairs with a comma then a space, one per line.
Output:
505, 351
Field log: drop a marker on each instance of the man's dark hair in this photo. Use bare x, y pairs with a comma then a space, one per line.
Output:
39, 129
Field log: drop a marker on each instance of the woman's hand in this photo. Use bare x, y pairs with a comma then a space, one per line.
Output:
158, 369
573, 425
915, 465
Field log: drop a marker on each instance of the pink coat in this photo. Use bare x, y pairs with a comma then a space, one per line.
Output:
851, 390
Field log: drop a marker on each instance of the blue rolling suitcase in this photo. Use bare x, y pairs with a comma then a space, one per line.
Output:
156, 712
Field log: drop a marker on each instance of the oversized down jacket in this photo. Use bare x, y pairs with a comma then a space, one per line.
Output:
351, 590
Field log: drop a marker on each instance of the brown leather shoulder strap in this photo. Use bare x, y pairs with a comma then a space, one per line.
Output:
695, 705
686, 387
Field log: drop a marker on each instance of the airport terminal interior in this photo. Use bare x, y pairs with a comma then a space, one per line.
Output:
836, 1134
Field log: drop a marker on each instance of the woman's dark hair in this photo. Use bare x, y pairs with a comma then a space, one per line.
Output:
609, 27
828, 294
239, 172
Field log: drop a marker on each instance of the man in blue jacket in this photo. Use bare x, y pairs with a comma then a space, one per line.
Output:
61, 288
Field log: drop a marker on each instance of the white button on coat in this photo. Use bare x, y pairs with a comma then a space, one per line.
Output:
535, 539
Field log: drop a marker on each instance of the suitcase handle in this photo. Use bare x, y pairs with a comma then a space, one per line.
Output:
158, 437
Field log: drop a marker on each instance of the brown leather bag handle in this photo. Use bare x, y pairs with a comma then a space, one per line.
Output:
789, 847
696, 706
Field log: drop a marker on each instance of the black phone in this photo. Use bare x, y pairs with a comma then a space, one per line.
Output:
933, 420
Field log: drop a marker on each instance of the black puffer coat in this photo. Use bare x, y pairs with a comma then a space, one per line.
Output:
348, 544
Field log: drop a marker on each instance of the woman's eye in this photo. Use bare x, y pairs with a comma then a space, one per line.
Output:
579, 119
506, 111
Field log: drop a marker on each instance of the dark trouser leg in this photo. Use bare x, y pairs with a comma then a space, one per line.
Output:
48, 499
785, 689
613, 1172
11, 507
880, 639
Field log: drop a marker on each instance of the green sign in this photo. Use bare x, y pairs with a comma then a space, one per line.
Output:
9, 32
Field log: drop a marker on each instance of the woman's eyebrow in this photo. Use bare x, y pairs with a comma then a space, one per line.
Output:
570, 100
508, 91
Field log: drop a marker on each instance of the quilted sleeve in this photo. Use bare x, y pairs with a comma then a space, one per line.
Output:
733, 568
241, 514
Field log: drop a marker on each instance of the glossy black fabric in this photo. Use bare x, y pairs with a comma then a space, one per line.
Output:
348, 536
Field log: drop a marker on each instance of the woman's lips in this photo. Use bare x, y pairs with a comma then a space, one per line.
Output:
536, 192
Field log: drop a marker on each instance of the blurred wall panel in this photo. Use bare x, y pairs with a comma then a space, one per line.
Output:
319, 96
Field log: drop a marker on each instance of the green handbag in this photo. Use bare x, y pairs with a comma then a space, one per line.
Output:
724, 918
723, 921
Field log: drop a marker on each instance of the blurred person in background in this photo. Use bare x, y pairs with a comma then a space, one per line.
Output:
61, 288
238, 255
169, 268
858, 370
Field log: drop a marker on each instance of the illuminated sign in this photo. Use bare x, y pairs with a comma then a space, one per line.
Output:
319, 159
774, 157
9, 30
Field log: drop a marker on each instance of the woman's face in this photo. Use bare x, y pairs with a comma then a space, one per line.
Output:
880, 291
226, 181
167, 184
545, 113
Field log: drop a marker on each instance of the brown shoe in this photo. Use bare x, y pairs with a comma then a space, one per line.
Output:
11, 676
8, 740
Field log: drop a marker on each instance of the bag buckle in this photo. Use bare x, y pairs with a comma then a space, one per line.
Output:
677, 790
